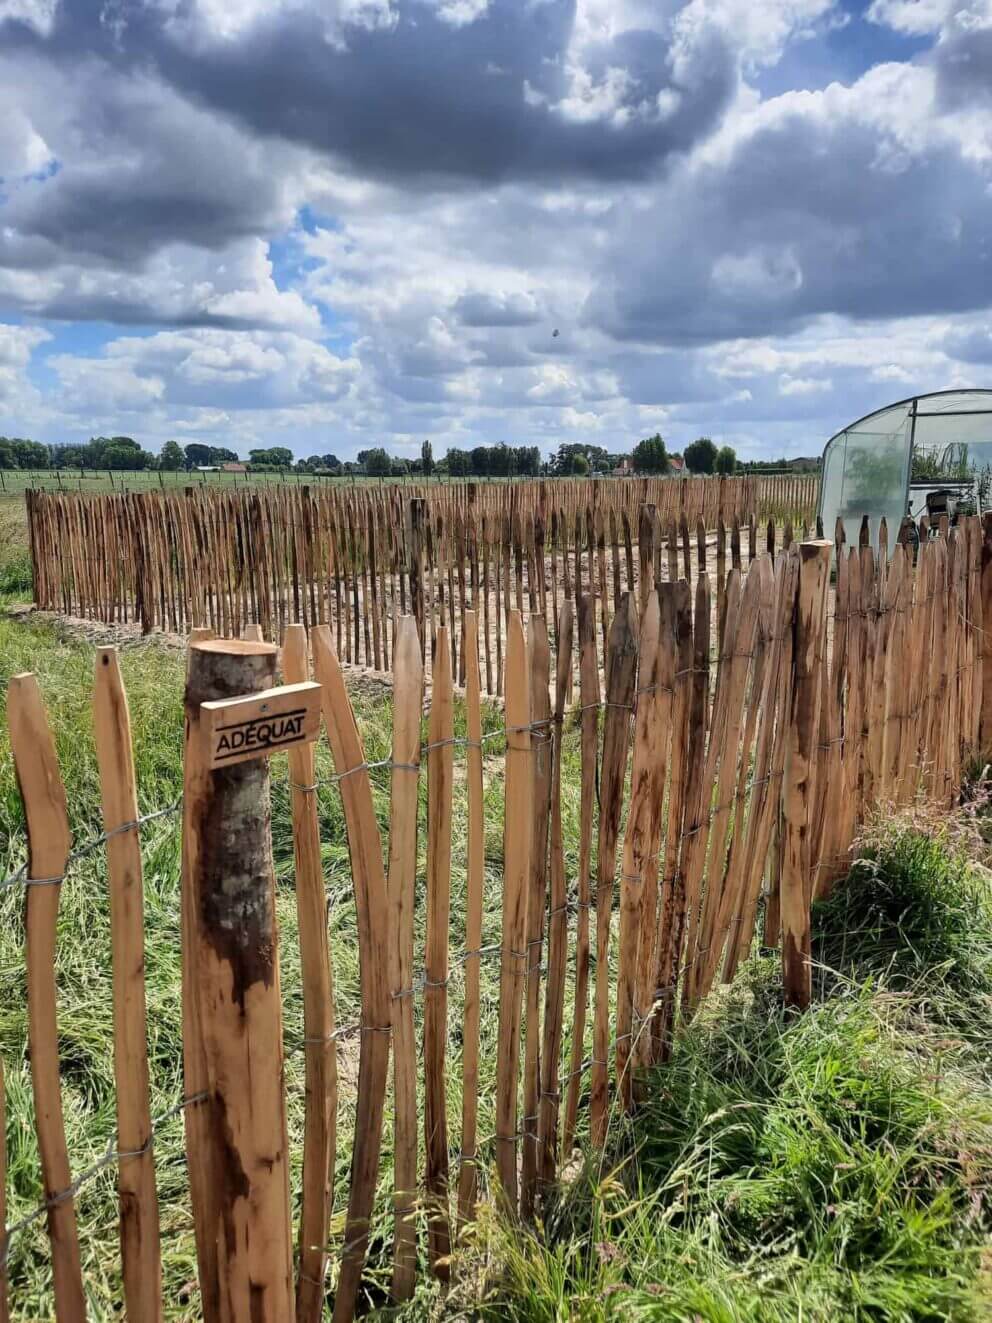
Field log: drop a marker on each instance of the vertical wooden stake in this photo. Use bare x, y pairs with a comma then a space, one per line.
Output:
44, 799
468, 1176
227, 835
554, 1005
589, 693
203, 1189
985, 724
658, 983
638, 874
800, 767
621, 664
517, 834
369, 878
440, 767
4, 1301
645, 549
540, 708
320, 1117
140, 1256
415, 532
408, 697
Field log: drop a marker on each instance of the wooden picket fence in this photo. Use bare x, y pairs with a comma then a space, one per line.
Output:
358, 558
722, 785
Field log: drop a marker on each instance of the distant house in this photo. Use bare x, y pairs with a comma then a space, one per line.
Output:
234, 467
676, 463
625, 468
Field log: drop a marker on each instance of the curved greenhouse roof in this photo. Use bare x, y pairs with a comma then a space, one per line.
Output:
867, 465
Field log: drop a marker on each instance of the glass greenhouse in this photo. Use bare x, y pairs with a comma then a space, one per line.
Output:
867, 466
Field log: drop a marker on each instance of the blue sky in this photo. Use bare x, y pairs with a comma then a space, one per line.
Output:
354, 222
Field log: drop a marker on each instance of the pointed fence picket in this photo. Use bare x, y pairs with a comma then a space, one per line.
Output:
257, 559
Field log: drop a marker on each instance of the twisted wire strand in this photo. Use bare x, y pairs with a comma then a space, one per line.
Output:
19, 877
110, 1155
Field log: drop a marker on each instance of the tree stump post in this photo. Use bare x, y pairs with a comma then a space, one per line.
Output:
234, 964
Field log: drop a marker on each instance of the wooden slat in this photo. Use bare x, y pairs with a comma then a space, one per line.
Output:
589, 694
657, 982
517, 839
621, 674
440, 769
800, 770
468, 1176
768, 762
638, 898
541, 740
44, 799
321, 1080
4, 1246
369, 878
692, 847
408, 695
139, 1228
203, 1188
554, 1004
724, 877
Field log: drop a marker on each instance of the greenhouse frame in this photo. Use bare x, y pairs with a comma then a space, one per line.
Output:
867, 466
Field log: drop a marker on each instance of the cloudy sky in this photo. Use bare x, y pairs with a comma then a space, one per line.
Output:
339, 223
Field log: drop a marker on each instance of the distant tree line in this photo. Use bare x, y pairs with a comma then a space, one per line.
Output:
649, 456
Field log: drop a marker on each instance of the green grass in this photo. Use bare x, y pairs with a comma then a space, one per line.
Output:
15, 560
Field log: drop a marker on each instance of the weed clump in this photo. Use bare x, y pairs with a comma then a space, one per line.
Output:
909, 907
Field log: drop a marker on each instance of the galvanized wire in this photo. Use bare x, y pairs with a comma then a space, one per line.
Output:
111, 1155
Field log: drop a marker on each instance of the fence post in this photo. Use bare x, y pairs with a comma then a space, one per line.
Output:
801, 736
235, 965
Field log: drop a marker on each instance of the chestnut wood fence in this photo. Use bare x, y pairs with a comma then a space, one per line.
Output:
358, 558
722, 786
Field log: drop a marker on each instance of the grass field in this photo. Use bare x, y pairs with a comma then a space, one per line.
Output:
15, 560
14, 482
836, 1165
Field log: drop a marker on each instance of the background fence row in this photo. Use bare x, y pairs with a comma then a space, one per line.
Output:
359, 558
721, 790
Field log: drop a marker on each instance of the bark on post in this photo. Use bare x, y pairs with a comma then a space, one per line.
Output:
800, 769
227, 839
